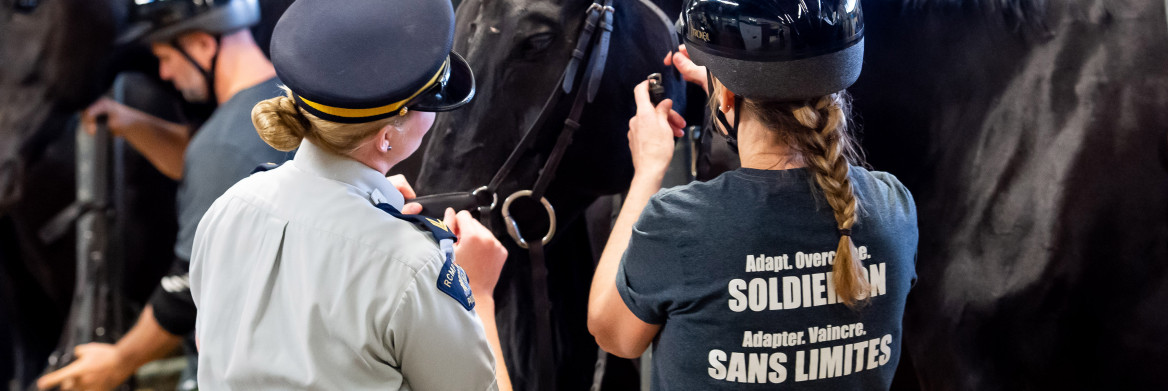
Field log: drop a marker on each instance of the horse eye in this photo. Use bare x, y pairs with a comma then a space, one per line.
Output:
536, 44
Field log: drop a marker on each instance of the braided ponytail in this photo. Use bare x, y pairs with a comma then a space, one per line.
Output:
817, 129
828, 148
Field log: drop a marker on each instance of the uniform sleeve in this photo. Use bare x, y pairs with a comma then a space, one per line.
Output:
174, 307
439, 344
648, 278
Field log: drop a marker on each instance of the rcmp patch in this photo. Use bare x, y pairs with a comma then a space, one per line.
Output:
452, 280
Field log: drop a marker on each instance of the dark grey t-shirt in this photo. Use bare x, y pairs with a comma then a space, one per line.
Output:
225, 150
737, 271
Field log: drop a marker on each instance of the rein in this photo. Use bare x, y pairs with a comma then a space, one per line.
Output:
484, 199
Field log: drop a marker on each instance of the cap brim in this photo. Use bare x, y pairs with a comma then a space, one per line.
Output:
785, 80
459, 90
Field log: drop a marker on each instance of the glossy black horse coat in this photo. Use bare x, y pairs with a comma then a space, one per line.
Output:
1033, 137
518, 50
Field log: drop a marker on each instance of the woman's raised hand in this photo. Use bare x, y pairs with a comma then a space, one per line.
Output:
651, 133
477, 252
399, 181
690, 71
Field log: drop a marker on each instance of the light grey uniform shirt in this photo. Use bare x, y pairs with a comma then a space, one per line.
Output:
301, 283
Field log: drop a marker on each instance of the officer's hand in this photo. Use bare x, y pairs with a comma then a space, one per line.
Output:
119, 117
651, 133
399, 181
98, 367
690, 71
477, 252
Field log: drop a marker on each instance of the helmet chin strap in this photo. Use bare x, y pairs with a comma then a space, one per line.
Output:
731, 135
208, 74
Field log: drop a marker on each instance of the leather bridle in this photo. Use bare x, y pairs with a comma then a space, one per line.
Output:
484, 199
587, 64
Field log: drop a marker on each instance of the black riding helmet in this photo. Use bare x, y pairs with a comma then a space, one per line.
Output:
355, 61
163, 21
775, 50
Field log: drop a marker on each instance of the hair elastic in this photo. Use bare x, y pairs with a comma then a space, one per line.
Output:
845, 232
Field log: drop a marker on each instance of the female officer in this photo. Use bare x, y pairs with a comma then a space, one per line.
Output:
791, 271
308, 276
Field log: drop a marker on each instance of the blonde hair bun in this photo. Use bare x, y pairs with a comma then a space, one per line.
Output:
279, 123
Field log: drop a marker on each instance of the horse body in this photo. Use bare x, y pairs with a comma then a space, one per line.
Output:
1036, 152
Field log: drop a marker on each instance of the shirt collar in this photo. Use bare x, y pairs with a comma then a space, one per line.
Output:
373, 184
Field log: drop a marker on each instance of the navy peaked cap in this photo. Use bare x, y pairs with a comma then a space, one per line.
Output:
357, 61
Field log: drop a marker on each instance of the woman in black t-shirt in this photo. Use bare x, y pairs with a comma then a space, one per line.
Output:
790, 272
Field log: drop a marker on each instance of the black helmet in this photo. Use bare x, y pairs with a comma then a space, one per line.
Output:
165, 20
355, 61
776, 49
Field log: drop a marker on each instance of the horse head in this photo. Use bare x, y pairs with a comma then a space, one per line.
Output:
518, 50
53, 61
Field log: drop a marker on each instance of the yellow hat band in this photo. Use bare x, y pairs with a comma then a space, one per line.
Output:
373, 111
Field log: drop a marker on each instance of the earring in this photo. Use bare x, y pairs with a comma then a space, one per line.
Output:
385, 146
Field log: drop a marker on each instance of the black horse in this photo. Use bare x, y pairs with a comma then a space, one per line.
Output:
1031, 134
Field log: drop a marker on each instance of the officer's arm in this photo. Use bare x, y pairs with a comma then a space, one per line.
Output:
482, 256
486, 311
438, 343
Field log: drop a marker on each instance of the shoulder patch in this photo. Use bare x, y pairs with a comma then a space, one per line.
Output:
452, 280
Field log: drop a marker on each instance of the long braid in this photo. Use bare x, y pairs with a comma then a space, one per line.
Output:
818, 130
828, 159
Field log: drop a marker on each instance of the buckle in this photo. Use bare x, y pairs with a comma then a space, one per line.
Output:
494, 196
513, 226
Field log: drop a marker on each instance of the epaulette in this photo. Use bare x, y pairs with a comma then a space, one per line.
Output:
452, 280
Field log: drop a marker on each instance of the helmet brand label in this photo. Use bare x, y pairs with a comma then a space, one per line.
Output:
702, 35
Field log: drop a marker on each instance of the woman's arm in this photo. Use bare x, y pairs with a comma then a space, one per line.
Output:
482, 257
485, 307
651, 131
